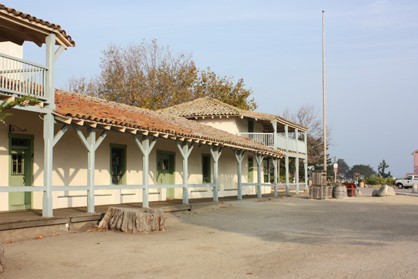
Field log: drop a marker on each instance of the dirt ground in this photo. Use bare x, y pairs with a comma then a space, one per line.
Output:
273, 238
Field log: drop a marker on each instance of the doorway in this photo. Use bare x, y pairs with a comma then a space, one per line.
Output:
165, 171
20, 170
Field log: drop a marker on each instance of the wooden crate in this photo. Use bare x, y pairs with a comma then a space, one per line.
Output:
320, 192
319, 178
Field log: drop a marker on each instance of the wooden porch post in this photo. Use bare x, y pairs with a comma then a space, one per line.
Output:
91, 144
305, 163
305, 136
297, 161
185, 151
286, 130
145, 145
239, 155
259, 159
48, 124
48, 135
215, 151
275, 177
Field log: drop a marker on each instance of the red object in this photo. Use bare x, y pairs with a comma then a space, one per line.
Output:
352, 188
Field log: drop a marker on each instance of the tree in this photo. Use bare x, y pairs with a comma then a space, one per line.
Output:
343, 168
363, 170
381, 168
307, 115
18, 101
151, 76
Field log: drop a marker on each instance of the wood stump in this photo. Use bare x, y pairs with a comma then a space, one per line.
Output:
133, 220
1, 258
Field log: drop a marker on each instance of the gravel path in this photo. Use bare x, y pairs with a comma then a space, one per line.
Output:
273, 238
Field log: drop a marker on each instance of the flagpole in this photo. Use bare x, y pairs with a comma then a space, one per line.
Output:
324, 103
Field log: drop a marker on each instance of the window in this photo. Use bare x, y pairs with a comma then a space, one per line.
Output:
18, 164
206, 168
250, 126
118, 164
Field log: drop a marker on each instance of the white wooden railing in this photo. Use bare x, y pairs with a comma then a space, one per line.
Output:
263, 138
282, 143
22, 77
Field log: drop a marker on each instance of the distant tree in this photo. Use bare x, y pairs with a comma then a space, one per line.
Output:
150, 76
308, 116
381, 169
343, 168
364, 170
208, 84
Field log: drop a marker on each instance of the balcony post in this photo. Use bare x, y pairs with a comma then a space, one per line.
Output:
49, 75
274, 124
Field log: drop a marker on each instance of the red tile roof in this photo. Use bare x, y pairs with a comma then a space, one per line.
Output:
24, 27
81, 107
208, 107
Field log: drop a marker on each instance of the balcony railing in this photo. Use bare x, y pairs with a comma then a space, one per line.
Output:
282, 143
263, 138
22, 77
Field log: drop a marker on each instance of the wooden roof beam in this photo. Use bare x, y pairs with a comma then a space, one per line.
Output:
104, 126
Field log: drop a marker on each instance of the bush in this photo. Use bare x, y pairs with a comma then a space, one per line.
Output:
378, 180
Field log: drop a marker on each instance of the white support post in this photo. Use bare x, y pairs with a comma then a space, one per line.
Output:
276, 193
239, 155
297, 175
91, 166
305, 163
259, 159
49, 76
48, 135
185, 151
274, 124
297, 161
286, 130
215, 151
145, 145
305, 136
91, 144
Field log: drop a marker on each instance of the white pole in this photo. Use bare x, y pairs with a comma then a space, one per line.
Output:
323, 93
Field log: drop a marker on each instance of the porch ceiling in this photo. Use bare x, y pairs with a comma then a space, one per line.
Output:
94, 112
18, 27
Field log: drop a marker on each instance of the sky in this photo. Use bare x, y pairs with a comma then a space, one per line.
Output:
371, 58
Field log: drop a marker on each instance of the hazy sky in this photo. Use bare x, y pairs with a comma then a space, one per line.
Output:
275, 46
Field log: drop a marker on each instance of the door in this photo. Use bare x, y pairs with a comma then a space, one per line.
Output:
165, 171
20, 171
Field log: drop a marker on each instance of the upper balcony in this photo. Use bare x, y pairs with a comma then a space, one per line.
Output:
23, 78
20, 77
290, 144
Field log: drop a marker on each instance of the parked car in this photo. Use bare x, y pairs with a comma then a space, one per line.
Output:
407, 181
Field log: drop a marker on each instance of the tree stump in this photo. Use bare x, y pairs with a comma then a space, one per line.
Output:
133, 220
1, 258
